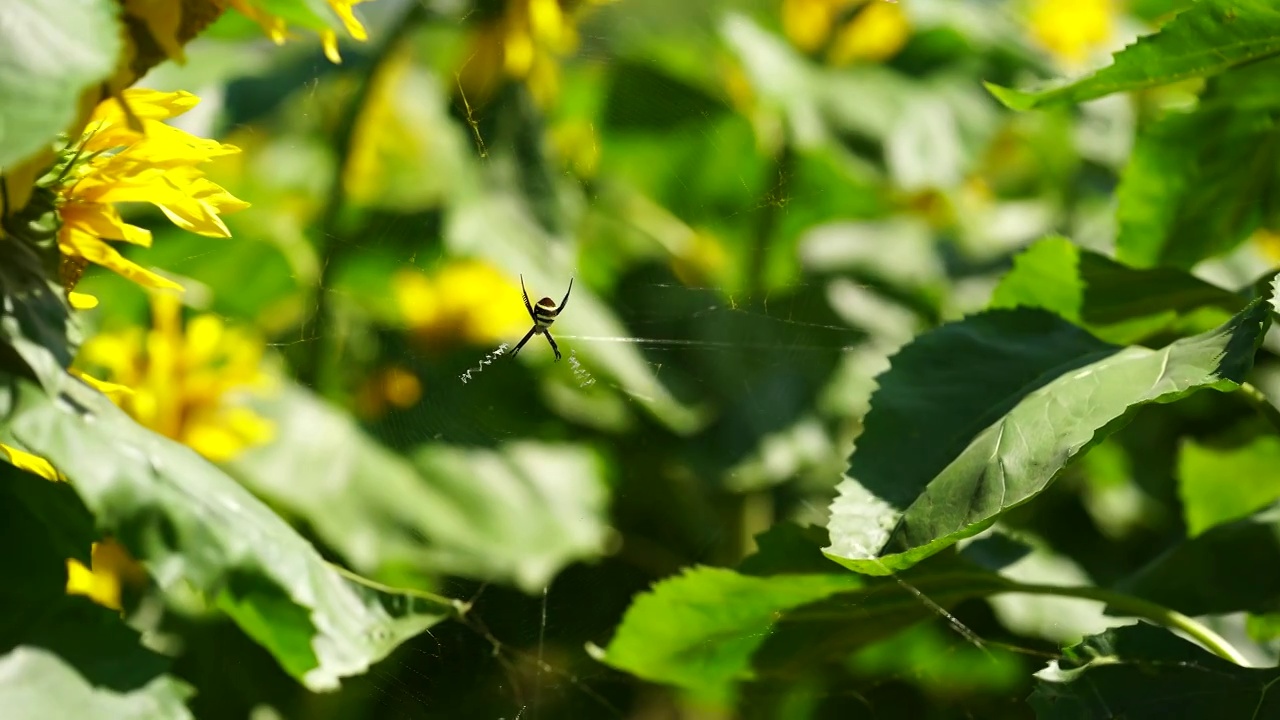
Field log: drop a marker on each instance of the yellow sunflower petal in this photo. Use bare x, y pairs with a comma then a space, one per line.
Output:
111, 390
82, 301
103, 221
162, 18
80, 244
33, 464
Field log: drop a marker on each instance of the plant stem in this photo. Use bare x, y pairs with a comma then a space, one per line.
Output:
333, 252
1263, 404
1138, 607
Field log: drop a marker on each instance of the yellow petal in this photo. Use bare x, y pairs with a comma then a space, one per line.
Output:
111, 390
103, 221
329, 40
82, 301
33, 464
877, 33
102, 588
79, 244
349, 20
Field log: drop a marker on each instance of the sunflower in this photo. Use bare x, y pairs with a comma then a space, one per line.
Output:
130, 155
277, 28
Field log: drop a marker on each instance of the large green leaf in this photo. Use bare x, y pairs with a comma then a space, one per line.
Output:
1227, 568
36, 684
980, 415
197, 530
50, 51
1198, 183
1142, 671
709, 629
1218, 485
518, 514
1210, 37
1117, 303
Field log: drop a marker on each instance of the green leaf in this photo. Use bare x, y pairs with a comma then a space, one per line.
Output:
50, 52
979, 416
1210, 37
1199, 183
1225, 569
1220, 485
1116, 303
518, 514
699, 630
194, 528
1142, 671
709, 629
38, 334
35, 683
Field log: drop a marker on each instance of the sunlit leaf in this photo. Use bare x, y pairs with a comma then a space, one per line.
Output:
1198, 183
980, 415
1217, 485
50, 52
1210, 37
194, 528
1142, 671
1118, 304
35, 683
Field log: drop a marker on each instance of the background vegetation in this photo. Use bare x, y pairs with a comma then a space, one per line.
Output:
270, 454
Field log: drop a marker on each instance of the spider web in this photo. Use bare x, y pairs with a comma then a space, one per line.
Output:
786, 368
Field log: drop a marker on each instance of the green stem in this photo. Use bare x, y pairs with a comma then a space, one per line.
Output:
1263, 405
1138, 607
457, 606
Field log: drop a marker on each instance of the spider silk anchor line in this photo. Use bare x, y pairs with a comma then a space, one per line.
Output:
487, 360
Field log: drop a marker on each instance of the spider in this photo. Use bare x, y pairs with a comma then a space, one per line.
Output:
543, 314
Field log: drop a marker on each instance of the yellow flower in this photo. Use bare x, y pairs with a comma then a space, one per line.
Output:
189, 386
276, 27
1071, 29
112, 569
466, 299
526, 43
848, 30
115, 163
33, 464
393, 386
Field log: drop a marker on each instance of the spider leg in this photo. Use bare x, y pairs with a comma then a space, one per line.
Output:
560, 309
527, 335
528, 308
554, 348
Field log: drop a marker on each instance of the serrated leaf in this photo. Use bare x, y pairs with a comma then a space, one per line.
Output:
1218, 485
36, 684
515, 514
50, 52
1142, 671
1199, 183
1117, 303
1224, 569
979, 416
1208, 38
194, 528
709, 629
699, 630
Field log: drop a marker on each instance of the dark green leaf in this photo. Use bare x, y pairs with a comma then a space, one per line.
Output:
980, 415
1220, 485
1142, 671
1212, 36
50, 52
36, 684
38, 335
1118, 304
643, 98
1225, 569
519, 514
195, 528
